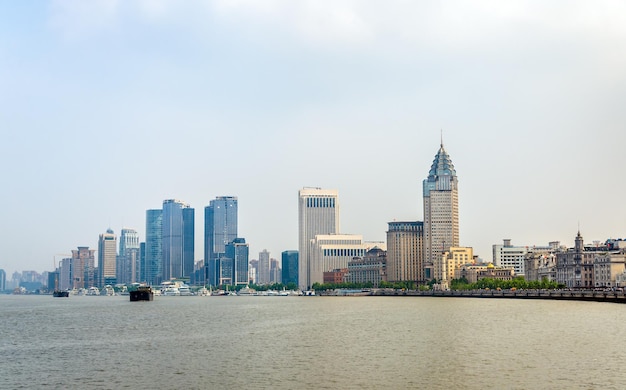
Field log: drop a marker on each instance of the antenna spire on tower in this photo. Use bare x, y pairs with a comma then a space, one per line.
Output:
441, 130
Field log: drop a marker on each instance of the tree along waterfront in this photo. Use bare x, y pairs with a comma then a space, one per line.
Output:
515, 283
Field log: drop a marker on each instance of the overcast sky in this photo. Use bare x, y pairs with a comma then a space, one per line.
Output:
109, 107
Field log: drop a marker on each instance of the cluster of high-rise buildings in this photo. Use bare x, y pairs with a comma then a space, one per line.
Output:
414, 251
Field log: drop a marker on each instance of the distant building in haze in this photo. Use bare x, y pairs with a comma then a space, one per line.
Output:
154, 247
220, 229
441, 210
129, 258
83, 268
238, 252
107, 259
3, 280
263, 267
318, 213
177, 240
289, 267
275, 276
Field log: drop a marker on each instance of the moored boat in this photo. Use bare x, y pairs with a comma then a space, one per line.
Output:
142, 293
61, 294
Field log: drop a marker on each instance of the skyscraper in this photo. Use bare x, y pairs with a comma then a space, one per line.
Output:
177, 239
263, 268
220, 229
441, 210
290, 267
129, 267
82, 267
238, 251
3, 280
318, 213
154, 246
107, 259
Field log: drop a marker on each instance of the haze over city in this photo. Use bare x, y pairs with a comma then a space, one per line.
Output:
110, 107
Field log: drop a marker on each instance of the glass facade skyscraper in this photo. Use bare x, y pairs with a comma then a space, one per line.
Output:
290, 267
177, 239
220, 229
153, 247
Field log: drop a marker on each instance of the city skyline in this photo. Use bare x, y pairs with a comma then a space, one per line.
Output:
199, 99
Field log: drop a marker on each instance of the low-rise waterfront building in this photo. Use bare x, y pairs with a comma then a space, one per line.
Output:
369, 268
473, 273
607, 267
575, 266
443, 269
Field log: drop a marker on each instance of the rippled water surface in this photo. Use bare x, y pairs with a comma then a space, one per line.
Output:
310, 342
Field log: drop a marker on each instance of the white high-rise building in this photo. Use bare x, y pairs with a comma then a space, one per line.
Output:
263, 268
318, 213
441, 210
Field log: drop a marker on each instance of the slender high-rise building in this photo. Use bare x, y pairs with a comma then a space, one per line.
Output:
107, 259
220, 229
441, 210
82, 268
154, 247
238, 252
318, 213
263, 268
129, 267
177, 239
289, 267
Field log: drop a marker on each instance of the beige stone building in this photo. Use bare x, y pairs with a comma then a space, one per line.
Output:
455, 257
607, 267
474, 273
405, 252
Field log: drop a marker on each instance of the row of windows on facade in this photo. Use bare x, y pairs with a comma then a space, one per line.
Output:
320, 202
344, 252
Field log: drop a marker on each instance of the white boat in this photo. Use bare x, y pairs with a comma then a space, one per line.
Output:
170, 291
93, 291
108, 291
204, 292
247, 291
184, 290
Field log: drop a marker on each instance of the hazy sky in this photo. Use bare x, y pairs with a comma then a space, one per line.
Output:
109, 107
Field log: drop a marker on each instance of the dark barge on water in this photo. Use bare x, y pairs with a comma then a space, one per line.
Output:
61, 294
143, 293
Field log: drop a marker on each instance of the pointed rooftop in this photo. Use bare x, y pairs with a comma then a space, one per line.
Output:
442, 164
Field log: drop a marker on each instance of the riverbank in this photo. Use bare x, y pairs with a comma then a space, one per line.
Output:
564, 295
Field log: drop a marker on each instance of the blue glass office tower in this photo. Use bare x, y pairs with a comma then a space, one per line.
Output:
290, 267
238, 251
177, 239
220, 229
153, 247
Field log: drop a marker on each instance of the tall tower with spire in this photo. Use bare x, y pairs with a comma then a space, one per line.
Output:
441, 210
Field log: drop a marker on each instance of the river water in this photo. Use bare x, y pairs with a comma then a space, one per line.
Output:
310, 343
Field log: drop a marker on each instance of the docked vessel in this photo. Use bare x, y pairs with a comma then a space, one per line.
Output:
143, 293
61, 294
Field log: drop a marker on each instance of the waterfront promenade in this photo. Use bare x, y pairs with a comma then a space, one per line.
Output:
565, 295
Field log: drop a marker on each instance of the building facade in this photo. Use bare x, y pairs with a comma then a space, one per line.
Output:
318, 213
450, 261
441, 210
405, 251
507, 255
177, 240
330, 252
238, 252
83, 268
289, 267
107, 259
220, 229
153, 262
129, 258
263, 267
574, 267
371, 268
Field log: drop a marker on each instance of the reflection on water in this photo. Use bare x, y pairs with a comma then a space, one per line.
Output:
310, 342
